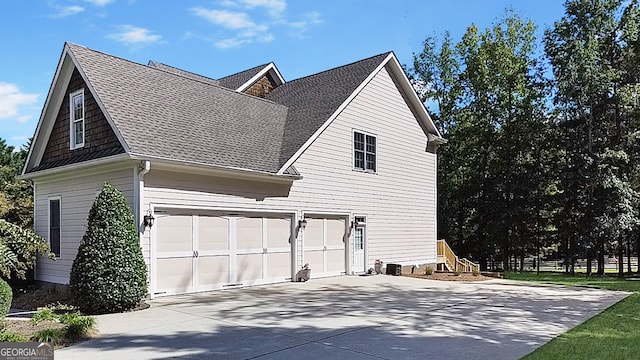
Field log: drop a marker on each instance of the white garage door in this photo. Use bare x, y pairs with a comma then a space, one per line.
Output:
204, 252
324, 248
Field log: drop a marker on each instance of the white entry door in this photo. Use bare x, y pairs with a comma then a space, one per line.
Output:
358, 263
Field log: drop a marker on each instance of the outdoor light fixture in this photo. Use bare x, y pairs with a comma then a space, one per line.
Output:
302, 223
148, 220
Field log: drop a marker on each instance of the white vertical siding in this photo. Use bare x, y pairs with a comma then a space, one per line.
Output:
399, 200
76, 197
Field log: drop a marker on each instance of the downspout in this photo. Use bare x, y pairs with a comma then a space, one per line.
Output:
144, 168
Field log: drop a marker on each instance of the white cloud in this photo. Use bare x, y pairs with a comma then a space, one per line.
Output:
133, 35
24, 118
275, 8
231, 43
308, 21
19, 138
99, 2
228, 19
64, 11
11, 98
239, 17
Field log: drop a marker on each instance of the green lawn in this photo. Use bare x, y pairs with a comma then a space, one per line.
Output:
613, 334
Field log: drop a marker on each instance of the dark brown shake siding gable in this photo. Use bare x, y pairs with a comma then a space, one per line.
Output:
262, 87
99, 138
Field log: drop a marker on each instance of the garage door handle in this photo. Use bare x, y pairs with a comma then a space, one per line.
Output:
195, 253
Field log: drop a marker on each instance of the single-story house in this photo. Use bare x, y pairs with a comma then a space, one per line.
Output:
239, 180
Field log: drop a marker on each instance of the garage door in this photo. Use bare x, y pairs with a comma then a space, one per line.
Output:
324, 248
207, 252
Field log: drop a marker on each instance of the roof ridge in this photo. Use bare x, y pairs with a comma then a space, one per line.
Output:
179, 69
245, 70
180, 76
338, 67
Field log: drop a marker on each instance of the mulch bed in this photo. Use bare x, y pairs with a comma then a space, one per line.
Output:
446, 276
33, 298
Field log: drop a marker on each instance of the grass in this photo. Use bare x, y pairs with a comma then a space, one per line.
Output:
613, 334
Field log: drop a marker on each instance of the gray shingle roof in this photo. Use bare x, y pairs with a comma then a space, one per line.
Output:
164, 112
236, 80
181, 72
163, 115
313, 99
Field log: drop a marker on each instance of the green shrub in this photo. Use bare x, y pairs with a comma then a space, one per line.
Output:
76, 325
11, 336
50, 335
6, 295
457, 272
109, 273
428, 270
19, 249
475, 272
44, 314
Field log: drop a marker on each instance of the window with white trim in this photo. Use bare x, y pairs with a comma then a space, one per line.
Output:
364, 151
54, 226
76, 119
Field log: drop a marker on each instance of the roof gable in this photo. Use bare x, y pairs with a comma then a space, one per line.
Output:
245, 79
314, 101
167, 116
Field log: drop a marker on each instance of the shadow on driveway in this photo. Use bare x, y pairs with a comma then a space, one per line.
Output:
378, 317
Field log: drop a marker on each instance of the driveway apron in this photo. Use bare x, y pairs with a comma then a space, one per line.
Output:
348, 317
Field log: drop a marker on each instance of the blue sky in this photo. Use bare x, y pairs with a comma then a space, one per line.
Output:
220, 37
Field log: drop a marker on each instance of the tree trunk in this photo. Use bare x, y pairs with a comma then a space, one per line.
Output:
589, 264
629, 256
601, 257
620, 259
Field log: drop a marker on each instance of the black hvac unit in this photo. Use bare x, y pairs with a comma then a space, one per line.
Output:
394, 269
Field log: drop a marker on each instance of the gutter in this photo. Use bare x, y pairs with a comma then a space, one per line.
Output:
76, 166
215, 168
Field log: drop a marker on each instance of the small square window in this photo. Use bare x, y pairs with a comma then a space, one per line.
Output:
364, 151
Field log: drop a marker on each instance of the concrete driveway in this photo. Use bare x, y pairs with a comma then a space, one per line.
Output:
349, 317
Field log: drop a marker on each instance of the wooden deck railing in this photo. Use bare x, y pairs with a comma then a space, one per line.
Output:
451, 261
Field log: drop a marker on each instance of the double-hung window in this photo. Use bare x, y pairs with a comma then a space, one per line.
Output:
364, 151
54, 226
76, 121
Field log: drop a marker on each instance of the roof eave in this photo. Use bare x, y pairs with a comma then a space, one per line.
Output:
226, 171
75, 167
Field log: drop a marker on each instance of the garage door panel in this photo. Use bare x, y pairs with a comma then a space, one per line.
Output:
335, 232
213, 233
278, 233
200, 252
249, 267
314, 233
278, 265
213, 271
176, 234
249, 233
315, 259
174, 274
335, 260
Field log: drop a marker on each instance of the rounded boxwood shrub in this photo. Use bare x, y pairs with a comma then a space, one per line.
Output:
109, 273
6, 295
